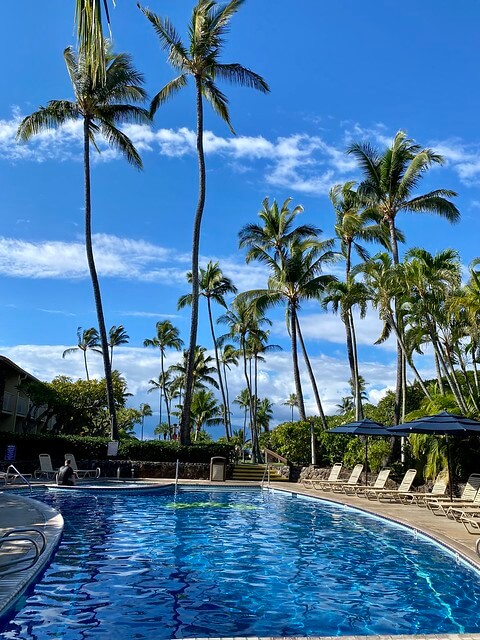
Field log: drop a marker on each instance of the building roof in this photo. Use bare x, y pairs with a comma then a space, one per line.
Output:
12, 365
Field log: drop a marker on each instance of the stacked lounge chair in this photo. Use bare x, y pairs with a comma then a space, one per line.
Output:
440, 506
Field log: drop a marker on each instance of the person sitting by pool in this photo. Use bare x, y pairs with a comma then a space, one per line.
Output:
66, 475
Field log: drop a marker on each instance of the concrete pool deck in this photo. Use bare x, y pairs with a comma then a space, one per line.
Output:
17, 510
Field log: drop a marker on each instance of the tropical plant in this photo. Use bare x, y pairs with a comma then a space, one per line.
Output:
243, 401
214, 286
87, 340
200, 60
88, 17
167, 337
264, 413
102, 107
228, 357
116, 337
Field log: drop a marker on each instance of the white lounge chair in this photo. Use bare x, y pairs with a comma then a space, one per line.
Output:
46, 470
82, 473
393, 494
341, 486
440, 506
380, 482
309, 483
420, 498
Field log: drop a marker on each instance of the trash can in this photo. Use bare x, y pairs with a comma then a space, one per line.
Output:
218, 469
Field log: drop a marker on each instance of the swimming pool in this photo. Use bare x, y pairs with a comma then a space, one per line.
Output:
232, 564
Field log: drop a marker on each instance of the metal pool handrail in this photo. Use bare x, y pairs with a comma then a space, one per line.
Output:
18, 535
16, 474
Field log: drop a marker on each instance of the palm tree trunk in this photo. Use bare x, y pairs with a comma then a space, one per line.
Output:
311, 375
255, 446
217, 360
296, 371
86, 366
95, 283
227, 397
185, 423
398, 386
358, 393
439, 373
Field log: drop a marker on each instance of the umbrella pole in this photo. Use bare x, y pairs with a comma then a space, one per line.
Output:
366, 460
450, 479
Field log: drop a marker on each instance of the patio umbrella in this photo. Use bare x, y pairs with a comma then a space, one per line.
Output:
365, 428
441, 424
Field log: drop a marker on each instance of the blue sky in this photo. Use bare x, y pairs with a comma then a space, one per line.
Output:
338, 72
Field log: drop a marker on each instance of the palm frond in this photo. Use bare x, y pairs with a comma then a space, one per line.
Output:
118, 140
168, 91
218, 101
237, 74
56, 113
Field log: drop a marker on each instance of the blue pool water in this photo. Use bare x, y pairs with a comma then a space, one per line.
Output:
239, 564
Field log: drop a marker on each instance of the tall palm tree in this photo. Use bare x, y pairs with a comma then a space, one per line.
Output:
213, 286
145, 410
87, 340
102, 107
264, 414
295, 278
116, 337
389, 182
167, 337
354, 225
291, 402
200, 60
242, 319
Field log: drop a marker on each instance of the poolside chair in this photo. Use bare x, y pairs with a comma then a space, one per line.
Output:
310, 483
359, 489
327, 485
341, 486
440, 507
392, 495
82, 473
420, 498
46, 470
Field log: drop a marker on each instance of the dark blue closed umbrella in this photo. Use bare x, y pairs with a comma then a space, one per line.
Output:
366, 428
441, 424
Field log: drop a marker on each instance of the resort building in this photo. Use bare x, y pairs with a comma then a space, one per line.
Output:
17, 412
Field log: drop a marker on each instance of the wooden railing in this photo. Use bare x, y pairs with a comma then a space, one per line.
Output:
271, 454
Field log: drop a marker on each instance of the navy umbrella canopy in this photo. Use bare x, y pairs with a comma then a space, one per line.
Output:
363, 427
441, 424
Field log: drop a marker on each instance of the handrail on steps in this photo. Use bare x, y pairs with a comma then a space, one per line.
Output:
16, 474
271, 454
267, 471
19, 535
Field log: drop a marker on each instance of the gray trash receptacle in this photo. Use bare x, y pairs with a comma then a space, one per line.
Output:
218, 469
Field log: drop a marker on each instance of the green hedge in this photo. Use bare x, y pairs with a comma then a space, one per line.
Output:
90, 448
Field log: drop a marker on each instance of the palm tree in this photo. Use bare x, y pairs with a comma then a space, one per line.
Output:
205, 410
200, 60
242, 319
86, 341
353, 225
293, 279
264, 413
214, 286
291, 402
243, 401
101, 107
389, 180
145, 410
116, 337
167, 337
